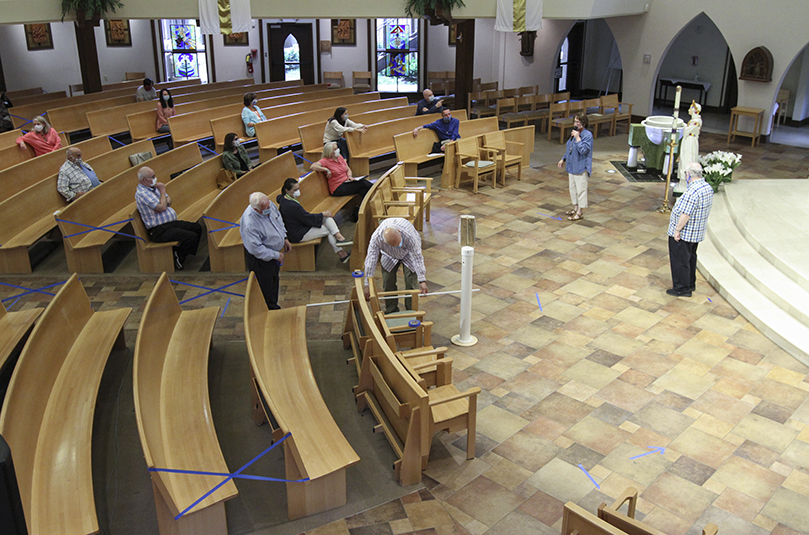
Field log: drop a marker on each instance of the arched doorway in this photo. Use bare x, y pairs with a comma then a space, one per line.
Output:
792, 99
291, 52
589, 63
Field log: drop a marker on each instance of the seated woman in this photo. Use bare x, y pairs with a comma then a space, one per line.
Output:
341, 183
302, 226
251, 114
43, 139
165, 109
235, 157
337, 126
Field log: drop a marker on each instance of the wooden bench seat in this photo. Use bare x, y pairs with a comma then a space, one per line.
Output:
172, 407
225, 247
190, 193
413, 151
112, 120
27, 112
112, 202
9, 139
74, 118
18, 177
14, 327
379, 139
316, 449
47, 416
28, 215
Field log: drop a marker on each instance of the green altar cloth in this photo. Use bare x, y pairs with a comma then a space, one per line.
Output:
654, 154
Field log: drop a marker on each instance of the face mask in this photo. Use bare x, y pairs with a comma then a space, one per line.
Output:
345, 117
336, 153
39, 127
297, 194
154, 181
431, 98
235, 142
265, 212
254, 103
77, 161
447, 119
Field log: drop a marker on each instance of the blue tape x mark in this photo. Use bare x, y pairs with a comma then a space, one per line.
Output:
550, 216
103, 227
228, 477
28, 291
210, 290
301, 157
121, 143
591, 477
232, 225
209, 150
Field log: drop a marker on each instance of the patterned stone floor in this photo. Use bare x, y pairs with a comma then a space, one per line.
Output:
608, 367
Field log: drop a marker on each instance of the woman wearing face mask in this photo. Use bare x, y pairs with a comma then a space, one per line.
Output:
334, 166
337, 126
303, 226
43, 139
165, 109
235, 157
251, 114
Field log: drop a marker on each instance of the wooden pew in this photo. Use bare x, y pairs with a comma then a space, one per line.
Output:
413, 151
141, 125
282, 375
47, 416
74, 118
14, 326
194, 126
9, 139
25, 92
14, 155
36, 99
225, 247
109, 205
243, 84
29, 111
112, 120
28, 215
190, 194
379, 139
279, 132
236, 93
172, 408
18, 177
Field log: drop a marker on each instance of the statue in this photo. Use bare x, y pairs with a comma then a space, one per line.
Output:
689, 147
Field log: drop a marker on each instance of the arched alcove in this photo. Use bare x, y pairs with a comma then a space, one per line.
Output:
588, 60
697, 55
793, 89
292, 58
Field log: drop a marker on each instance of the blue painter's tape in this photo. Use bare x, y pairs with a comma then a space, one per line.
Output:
588, 475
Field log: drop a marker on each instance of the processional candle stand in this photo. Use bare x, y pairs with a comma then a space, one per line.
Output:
672, 145
466, 235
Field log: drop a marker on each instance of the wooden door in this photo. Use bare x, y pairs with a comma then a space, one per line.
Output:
283, 35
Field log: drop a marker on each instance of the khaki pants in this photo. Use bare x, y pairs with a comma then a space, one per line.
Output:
578, 188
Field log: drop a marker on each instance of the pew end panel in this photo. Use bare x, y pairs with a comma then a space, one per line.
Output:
14, 327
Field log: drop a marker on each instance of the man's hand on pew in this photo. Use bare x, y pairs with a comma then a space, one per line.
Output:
423, 286
367, 293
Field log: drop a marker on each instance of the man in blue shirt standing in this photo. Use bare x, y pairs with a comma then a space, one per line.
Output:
446, 128
579, 158
689, 219
265, 242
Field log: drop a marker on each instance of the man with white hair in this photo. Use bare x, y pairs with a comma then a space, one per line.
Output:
689, 219
398, 242
429, 104
160, 219
265, 242
75, 177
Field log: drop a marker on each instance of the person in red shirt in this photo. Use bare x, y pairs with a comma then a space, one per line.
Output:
338, 173
43, 139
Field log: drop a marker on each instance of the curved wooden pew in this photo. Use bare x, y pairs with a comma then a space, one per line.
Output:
14, 326
18, 177
74, 118
28, 215
172, 407
316, 449
47, 416
110, 205
13, 155
379, 139
27, 112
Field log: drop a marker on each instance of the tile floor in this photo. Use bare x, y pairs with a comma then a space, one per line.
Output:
609, 367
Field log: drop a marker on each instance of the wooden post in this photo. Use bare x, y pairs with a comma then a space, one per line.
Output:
464, 62
88, 54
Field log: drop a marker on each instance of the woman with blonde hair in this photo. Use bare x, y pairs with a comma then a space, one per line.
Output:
43, 139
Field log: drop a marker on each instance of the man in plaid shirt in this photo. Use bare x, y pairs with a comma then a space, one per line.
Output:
75, 177
689, 218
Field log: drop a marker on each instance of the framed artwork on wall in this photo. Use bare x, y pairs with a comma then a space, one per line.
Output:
38, 36
453, 34
237, 39
118, 32
344, 32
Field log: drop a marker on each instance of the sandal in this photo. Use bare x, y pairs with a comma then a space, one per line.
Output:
570, 212
575, 217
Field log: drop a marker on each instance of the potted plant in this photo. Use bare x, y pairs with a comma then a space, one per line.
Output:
88, 9
718, 166
435, 10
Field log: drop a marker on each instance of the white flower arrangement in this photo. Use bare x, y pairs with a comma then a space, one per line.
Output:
718, 166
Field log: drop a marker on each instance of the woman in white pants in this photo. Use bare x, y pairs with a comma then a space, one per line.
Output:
578, 160
303, 226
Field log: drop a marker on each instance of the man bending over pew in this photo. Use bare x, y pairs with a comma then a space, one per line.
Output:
160, 219
265, 242
399, 243
75, 177
446, 128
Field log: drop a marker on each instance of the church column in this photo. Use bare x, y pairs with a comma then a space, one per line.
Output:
88, 55
464, 62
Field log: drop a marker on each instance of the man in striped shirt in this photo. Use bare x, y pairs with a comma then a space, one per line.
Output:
398, 242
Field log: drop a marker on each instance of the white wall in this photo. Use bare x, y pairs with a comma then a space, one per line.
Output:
801, 97
53, 70
114, 61
230, 63
440, 56
792, 80
345, 58
484, 50
703, 39
598, 48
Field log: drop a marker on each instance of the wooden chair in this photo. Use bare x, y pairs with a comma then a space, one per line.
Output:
566, 123
361, 81
436, 77
527, 90
509, 153
506, 112
134, 75
561, 97
172, 409
411, 186
621, 111
511, 93
488, 86
592, 107
333, 79
540, 111
783, 102
558, 111
475, 162
478, 106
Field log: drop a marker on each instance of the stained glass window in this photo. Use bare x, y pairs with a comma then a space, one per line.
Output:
184, 54
397, 55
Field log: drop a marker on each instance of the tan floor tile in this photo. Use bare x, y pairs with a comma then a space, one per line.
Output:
738, 371
731, 388
693, 367
678, 496
485, 501
684, 383
713, 426
666, 522
616, 343
337, 527
563, 481
546, 428
427, 514
703, 352
577, 391
498, 424
543, 507
624, 395
779, 393
597, 435
789, 508
528, 451
749, 478
591, 374
764, 522
798, 481
638, 317
508, 474
400, 526
722, 406
765, 432
703, 447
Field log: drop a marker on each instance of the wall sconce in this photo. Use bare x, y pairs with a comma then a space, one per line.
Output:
527, 43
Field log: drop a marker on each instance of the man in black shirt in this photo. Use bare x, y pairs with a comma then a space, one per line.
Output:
429, 104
